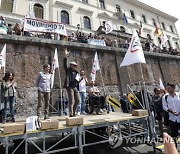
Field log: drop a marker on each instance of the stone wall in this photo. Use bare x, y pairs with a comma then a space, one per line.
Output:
26, 56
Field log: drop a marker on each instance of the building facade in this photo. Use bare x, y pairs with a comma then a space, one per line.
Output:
88, 15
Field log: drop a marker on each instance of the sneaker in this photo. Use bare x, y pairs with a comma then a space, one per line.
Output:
3, 121
12, 120
84, 113
101, 111
47, 118
78, 114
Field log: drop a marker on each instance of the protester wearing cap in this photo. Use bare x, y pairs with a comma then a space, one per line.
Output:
71, 84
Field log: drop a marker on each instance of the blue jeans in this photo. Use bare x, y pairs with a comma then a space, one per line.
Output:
11, 100
81, 106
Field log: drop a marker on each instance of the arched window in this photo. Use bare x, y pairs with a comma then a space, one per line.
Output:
64, 17
7, 5
87, 23
38, 11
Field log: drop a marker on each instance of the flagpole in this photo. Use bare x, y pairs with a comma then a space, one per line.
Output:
60, 86
150, 119
103, 83
105, 93
4, 71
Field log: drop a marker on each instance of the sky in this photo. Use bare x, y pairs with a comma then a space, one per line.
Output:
170, 7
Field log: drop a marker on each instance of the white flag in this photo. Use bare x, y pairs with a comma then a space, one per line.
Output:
134, 53
55, 64
164, 39
161, 84
30, 15
95, 67
108, 26
3, 57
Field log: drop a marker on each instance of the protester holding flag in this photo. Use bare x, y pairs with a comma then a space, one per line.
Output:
8, 93
72, 85
43, 82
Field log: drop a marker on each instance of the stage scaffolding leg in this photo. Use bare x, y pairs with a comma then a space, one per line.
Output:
80, 138
26, 146
44, 144
7, 145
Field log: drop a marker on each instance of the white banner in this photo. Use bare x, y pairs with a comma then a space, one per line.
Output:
3, 30
36, 25
96, 42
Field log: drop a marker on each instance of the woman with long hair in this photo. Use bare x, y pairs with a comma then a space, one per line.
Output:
8, 92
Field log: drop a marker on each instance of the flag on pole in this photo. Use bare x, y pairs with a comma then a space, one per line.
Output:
95, 67
30, 15
134, 53
108, 26
161, 85
125, 18
140, 28
158, 31
55, 64
3, 57
164, 39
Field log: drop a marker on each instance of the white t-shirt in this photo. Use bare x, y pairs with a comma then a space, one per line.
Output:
82, 86
172, 103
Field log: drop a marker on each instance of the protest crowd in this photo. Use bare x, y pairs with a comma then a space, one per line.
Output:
80, 37
75, 82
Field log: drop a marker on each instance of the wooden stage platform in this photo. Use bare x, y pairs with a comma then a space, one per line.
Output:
127, 124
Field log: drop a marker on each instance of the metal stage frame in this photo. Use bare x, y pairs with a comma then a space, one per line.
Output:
137, 126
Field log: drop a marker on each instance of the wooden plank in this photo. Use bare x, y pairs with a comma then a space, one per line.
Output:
89, 120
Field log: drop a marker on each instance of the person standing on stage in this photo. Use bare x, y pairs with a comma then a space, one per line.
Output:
43, 82
82, 91
157, 102
8, 93
72, 86
171, 104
